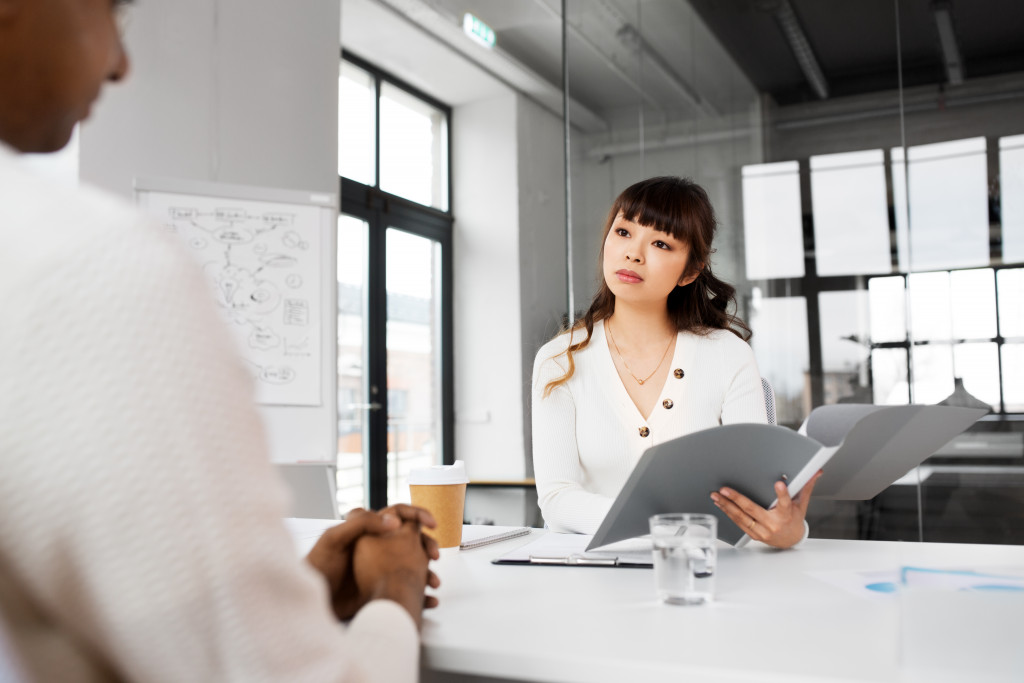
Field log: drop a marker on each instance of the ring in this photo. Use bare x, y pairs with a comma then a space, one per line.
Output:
753, 523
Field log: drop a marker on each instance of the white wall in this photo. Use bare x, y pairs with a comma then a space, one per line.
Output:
488, 366
236, 91
239, 91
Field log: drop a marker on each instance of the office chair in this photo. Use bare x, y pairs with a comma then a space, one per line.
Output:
313, 489
769, 401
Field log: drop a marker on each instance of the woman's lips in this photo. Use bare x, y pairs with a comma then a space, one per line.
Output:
628, 276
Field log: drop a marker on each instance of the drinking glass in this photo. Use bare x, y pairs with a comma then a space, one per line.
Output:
685, 553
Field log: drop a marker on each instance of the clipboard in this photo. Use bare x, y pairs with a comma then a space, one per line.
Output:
570, 550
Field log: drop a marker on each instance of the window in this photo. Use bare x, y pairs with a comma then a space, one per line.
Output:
954, 333
876, 332
394, 286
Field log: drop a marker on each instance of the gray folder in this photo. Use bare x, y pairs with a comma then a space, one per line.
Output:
867, 448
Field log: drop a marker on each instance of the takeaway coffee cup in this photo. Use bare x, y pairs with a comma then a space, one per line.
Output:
442, 491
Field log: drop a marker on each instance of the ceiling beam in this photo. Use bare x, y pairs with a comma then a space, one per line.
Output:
941, 12
801, 47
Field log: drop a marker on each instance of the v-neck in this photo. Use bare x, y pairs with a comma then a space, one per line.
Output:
622, 396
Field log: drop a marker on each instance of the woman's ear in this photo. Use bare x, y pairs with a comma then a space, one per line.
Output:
688, 278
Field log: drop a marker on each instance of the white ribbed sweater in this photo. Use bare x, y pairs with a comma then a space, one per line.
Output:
140, 519
587, 432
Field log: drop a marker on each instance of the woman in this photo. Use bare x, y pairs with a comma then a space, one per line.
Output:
657, 356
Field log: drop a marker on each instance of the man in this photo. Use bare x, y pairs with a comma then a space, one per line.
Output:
140, 531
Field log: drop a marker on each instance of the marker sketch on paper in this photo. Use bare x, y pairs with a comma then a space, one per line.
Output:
262, 260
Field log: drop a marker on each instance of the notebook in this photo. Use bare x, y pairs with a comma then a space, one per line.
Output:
478, 535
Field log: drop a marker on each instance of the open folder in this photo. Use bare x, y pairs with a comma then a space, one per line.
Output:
861, 448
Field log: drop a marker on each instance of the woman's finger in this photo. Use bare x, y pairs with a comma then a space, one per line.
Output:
743, 519
752, 509
784, 501
804, 497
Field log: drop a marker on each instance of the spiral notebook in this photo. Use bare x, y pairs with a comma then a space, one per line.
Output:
478, 535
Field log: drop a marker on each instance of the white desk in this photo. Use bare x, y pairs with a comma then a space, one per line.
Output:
771, 621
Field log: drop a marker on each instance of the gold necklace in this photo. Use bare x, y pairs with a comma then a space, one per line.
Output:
626, 365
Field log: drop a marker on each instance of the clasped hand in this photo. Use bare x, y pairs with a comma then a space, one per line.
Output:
375, 555
781, 526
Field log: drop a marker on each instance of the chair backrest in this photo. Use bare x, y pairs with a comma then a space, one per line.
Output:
769, 401
313, 488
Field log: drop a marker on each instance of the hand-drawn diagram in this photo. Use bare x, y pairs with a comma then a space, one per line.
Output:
263, 261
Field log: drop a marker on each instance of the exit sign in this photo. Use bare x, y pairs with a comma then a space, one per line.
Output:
478, 30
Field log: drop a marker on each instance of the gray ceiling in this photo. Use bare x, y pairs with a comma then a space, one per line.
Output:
853, 42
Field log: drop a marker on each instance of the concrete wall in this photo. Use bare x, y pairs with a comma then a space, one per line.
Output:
542, 245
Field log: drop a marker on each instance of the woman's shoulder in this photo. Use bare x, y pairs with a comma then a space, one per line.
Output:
553, 352
722, 341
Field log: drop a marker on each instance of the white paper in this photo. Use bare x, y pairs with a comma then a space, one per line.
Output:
262, 260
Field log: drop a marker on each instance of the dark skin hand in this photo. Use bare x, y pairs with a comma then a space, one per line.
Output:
393, 566
782, 526
394, 569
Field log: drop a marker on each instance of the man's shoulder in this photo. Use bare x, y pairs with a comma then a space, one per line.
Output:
45, 224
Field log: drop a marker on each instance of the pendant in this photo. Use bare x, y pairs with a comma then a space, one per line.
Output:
640, 381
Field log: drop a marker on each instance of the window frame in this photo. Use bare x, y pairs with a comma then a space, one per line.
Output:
382, 210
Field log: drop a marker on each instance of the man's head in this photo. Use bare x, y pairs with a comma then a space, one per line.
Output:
55, 56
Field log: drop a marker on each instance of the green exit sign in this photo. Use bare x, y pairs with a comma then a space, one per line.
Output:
478, 30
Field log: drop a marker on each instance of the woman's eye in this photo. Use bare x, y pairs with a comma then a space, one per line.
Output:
622, 232
661, 245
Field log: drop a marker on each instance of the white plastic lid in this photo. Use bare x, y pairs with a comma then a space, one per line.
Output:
439, 474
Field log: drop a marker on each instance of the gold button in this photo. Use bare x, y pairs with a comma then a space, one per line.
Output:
644, 431
667, 403
678, 372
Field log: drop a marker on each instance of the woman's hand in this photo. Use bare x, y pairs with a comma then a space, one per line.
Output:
782, 526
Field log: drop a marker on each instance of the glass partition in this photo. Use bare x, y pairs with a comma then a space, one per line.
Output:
869, 186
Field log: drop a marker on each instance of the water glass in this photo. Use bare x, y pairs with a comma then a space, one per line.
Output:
685, 553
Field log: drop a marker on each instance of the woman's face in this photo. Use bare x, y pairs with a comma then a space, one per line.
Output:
643, 265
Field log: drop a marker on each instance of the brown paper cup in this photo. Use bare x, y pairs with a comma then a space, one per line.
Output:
446, 503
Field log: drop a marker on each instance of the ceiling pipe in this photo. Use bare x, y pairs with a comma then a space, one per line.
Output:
632, 38
602, 153
801, 47
608, 61
941, 12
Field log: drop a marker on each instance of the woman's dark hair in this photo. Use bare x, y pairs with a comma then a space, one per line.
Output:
680, 208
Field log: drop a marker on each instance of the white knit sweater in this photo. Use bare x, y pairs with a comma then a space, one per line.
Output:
140, 519
587, 434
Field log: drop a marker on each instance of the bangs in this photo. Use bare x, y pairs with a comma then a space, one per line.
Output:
665, 204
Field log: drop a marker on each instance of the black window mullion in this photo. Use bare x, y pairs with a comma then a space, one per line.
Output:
376, 321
